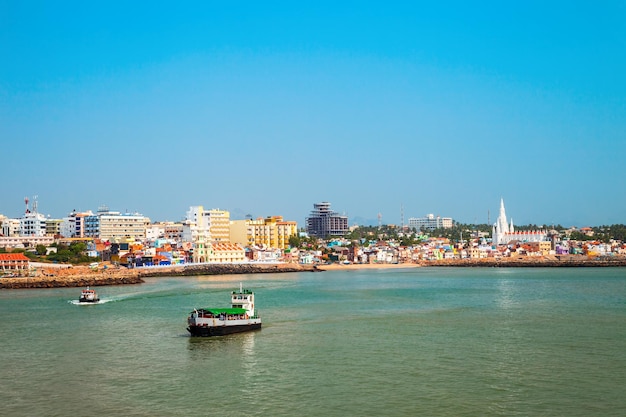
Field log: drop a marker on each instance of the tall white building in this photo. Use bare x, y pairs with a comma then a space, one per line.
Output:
195, 227
32, 223
209, 233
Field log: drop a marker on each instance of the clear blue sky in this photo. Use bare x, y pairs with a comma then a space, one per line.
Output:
265, 108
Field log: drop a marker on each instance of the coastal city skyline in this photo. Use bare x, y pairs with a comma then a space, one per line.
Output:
31, 206
402, 110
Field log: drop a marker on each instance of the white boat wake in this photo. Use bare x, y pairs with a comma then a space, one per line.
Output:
78, 303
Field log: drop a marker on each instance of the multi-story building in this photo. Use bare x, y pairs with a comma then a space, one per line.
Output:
219, 225
10, 227
53, 227
3, 218
271, 232
198, 231
239, 233
194, 225
74, 225
33, 224
430, 222
112, 225
214, 224
323, 222
173, 231
154, 232
225, 252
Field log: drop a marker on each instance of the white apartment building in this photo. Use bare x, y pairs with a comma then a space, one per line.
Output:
33, 224
195, 225
209, 233
74, 224
430, 222
113, 225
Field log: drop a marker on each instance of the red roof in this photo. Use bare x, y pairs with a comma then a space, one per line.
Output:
13, 257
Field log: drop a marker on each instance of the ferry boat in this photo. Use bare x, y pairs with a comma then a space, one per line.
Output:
240, 317
88, 296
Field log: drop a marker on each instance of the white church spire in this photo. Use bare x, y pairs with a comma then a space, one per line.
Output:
501, 227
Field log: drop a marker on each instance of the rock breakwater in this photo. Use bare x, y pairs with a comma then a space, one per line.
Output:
224, 269
80, 276
67, 281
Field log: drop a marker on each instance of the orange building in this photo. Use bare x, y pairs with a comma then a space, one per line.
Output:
14, 262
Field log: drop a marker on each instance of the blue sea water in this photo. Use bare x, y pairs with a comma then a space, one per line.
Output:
396, 342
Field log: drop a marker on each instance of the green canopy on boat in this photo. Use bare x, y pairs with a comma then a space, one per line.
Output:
218, 311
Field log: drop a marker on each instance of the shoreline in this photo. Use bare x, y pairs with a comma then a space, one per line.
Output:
530, 262
82, 276
55, 276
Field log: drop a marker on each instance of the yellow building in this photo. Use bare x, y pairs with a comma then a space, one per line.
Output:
204, 228
226, 252
543, 247
239, 232
219, 225
271, 232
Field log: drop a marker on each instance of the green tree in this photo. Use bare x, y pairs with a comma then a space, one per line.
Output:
41, 250
294, 241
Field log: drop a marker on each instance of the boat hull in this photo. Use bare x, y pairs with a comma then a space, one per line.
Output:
207, 331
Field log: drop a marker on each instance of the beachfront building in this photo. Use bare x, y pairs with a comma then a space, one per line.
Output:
430, 222
226, 252
219, 225
196, 231
271, 232
13, 262
204, 229
112, 225
323, 222
503, 232
165, 231
214, 224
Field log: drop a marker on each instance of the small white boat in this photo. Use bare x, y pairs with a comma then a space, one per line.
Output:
88, 296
